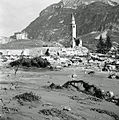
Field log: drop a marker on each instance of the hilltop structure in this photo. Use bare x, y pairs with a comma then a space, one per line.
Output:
21, 36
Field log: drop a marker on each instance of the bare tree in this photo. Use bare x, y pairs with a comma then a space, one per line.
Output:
20, 62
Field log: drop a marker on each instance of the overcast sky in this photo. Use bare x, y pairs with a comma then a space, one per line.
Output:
15, 15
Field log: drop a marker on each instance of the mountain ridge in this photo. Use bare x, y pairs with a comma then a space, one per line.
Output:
54, 22
75, 3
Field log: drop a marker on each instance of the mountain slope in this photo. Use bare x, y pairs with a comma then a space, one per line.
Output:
54, 23
76, 3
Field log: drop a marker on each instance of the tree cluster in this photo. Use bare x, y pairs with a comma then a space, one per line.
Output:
104, 47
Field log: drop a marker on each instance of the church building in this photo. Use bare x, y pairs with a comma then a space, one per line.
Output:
75, 41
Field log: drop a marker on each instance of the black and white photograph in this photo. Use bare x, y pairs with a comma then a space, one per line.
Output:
59, 59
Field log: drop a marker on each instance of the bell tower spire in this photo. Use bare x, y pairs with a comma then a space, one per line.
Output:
73, 31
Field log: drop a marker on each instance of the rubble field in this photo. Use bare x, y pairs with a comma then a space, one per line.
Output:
46, 95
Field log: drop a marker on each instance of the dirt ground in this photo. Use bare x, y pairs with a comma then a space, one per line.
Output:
64, 104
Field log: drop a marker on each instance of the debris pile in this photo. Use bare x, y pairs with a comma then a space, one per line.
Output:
91, 89
54, 112
31, 62
6, 118
88, 89
8, 110
113, 75
54, 86
116, 117
88, 98
27, 97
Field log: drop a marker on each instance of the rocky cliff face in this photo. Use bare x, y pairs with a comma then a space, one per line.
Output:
76, 3
54, 23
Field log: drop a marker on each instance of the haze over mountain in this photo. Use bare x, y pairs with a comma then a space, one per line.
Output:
15, 15
54, 22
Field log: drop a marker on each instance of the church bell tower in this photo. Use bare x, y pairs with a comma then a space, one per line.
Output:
73, 31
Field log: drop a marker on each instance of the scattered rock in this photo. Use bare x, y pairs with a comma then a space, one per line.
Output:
8, 110
112, 114
90, 98
54, 86
27, 97
54, 112
67, 108
91, 72
74, 75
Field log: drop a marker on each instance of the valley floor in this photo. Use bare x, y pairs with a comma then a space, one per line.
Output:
64, 104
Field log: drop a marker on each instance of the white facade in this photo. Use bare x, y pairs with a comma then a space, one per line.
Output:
103, 34
80, 44
21, 36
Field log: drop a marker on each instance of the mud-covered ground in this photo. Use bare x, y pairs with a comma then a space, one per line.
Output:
59, 104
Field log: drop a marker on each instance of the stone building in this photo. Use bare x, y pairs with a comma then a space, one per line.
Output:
21, 36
